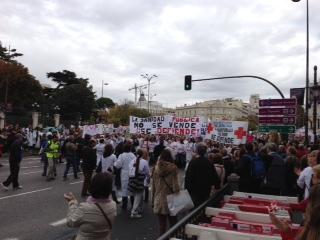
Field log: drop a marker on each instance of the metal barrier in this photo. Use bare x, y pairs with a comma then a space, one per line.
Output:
196, 216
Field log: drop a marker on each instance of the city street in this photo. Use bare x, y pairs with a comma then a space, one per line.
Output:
38, 210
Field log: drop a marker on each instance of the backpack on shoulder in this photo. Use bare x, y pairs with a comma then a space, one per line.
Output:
258, 169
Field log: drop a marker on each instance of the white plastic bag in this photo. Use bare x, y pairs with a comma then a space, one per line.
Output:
179, 202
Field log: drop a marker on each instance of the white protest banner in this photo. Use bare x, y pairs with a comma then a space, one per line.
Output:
166, 125
228, 132
147, 125
181, 126
97, 129
89, 130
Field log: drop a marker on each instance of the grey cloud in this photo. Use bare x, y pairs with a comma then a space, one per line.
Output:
118, 40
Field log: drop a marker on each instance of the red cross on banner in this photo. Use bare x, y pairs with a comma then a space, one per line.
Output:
210, 128
240, 133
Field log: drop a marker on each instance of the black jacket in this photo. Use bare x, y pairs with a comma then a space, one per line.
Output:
228, 165
276, 174
157, 151
200, 176
16, 151
244, 170
89, 158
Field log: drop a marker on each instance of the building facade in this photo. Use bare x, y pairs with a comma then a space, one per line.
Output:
225, 109
154, 107
253, 104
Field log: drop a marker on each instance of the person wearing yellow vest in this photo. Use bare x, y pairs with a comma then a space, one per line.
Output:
53, 152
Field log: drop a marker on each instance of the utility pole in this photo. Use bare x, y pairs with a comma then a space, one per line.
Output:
306, 114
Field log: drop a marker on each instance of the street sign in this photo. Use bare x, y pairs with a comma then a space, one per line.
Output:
278, 111
278, 102
277, 120
277, 128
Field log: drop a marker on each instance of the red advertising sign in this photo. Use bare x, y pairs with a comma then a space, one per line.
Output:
277, 120
278, 102
277, 111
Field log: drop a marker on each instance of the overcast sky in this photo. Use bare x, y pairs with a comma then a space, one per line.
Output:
116, 41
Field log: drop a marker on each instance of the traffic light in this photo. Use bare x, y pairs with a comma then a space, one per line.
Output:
187, 82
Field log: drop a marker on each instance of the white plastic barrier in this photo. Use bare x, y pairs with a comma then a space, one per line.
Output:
283, 199
242, 216
226, 198
235, 207
205, 233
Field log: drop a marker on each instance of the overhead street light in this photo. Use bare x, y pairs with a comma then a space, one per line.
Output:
103, 84
148, 79
306, 117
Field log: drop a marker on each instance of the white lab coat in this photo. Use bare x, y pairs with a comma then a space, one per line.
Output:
123, 162
304, 180
108, 163
143, 167
100, 150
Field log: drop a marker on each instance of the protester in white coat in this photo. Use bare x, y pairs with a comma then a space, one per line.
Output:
305, 176
123, 162
107, 163
100, 150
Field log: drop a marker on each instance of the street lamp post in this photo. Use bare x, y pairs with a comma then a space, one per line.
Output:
306, 117
45, 108
56, 109
35, 114
35, 106
148, 79
103, 84
315, 98
56, 116
7, 79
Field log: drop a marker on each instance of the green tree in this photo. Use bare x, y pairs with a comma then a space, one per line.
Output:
73, 95
65, 78
120, 114
104, 103
8, 54
17, 86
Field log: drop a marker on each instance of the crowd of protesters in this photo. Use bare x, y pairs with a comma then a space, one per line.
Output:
134, 164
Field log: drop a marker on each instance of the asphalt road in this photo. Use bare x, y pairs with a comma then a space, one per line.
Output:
37, 211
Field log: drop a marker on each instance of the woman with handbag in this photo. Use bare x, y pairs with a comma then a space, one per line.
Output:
164, 182
139, 171
95, 217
